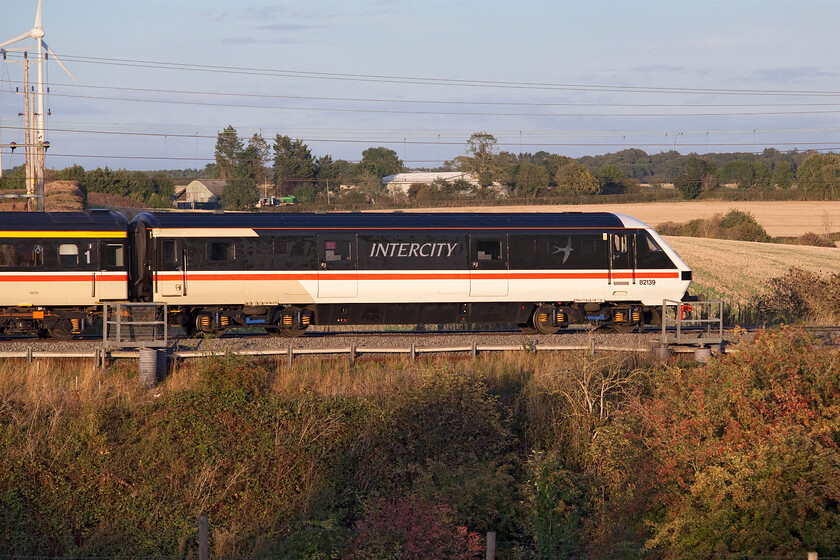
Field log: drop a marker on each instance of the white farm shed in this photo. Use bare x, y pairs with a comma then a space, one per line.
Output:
399, 183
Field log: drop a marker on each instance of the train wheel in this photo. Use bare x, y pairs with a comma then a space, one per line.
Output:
60, 333
62, 329
290, 332
542, 320
189, 327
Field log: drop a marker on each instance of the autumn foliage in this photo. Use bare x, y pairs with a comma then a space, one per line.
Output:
562, 455
740, 456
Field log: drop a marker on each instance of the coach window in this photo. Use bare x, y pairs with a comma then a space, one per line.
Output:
21, 255
114, 255
220, 251
68, 255
169, 251
339, 250
488, 250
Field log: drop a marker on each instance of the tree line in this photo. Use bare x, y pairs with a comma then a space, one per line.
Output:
500, 173
287, 166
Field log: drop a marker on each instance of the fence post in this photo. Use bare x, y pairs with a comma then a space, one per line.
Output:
474, 351
203, 539
491, 546
352, 355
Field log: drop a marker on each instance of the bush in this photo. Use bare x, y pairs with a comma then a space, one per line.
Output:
411, 530
801, 295
734, 225
739, 457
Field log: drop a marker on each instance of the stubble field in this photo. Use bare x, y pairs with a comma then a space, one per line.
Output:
735, 271
779, 218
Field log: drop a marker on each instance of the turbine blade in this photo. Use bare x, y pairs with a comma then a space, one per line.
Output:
16, 39
55, 57
38, 16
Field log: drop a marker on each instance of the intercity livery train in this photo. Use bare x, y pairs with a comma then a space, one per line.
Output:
284, 272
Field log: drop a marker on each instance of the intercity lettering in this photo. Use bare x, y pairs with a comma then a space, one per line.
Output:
412, 249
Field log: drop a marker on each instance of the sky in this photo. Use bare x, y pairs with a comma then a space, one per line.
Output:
155, 81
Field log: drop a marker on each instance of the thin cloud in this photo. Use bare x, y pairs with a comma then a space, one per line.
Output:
790, 74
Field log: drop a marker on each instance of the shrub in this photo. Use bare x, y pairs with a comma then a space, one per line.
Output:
801, 295
734, 225
411, 530
740, 456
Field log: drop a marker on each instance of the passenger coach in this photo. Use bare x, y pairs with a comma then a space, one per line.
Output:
285, 272
57, 268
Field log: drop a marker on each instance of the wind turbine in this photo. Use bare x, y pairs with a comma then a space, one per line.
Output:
37, 33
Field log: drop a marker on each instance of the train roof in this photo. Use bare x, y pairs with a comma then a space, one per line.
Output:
383, 220
97, 220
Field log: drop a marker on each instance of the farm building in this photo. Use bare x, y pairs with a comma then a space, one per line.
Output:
201, 194
400, 183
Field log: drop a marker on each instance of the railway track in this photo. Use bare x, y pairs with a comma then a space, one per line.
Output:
236, 340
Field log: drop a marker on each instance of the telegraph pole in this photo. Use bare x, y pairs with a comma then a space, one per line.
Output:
27, 110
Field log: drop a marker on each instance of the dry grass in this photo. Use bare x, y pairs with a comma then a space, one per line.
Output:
61, 384
778, 218
56, 385
735, 271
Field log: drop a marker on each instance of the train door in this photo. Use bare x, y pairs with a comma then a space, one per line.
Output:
622, 272
170, 268
110, 279
488, 266
337, 273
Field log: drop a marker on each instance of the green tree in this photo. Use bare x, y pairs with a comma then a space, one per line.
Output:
480, 158
329, 175
699, 175
782, 176
746, 174
554, 162
531, 180
73, 173
240, 193
258, 155
820, 173
228, 152
380, 161
293, 164
612, 179
573, 179
370, 185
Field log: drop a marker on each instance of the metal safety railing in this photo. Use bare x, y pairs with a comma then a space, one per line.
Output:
693, 323
135, 325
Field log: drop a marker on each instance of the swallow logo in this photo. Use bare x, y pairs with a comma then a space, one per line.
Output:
567, 250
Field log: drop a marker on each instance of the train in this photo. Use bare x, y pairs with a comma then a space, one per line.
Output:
284, 272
